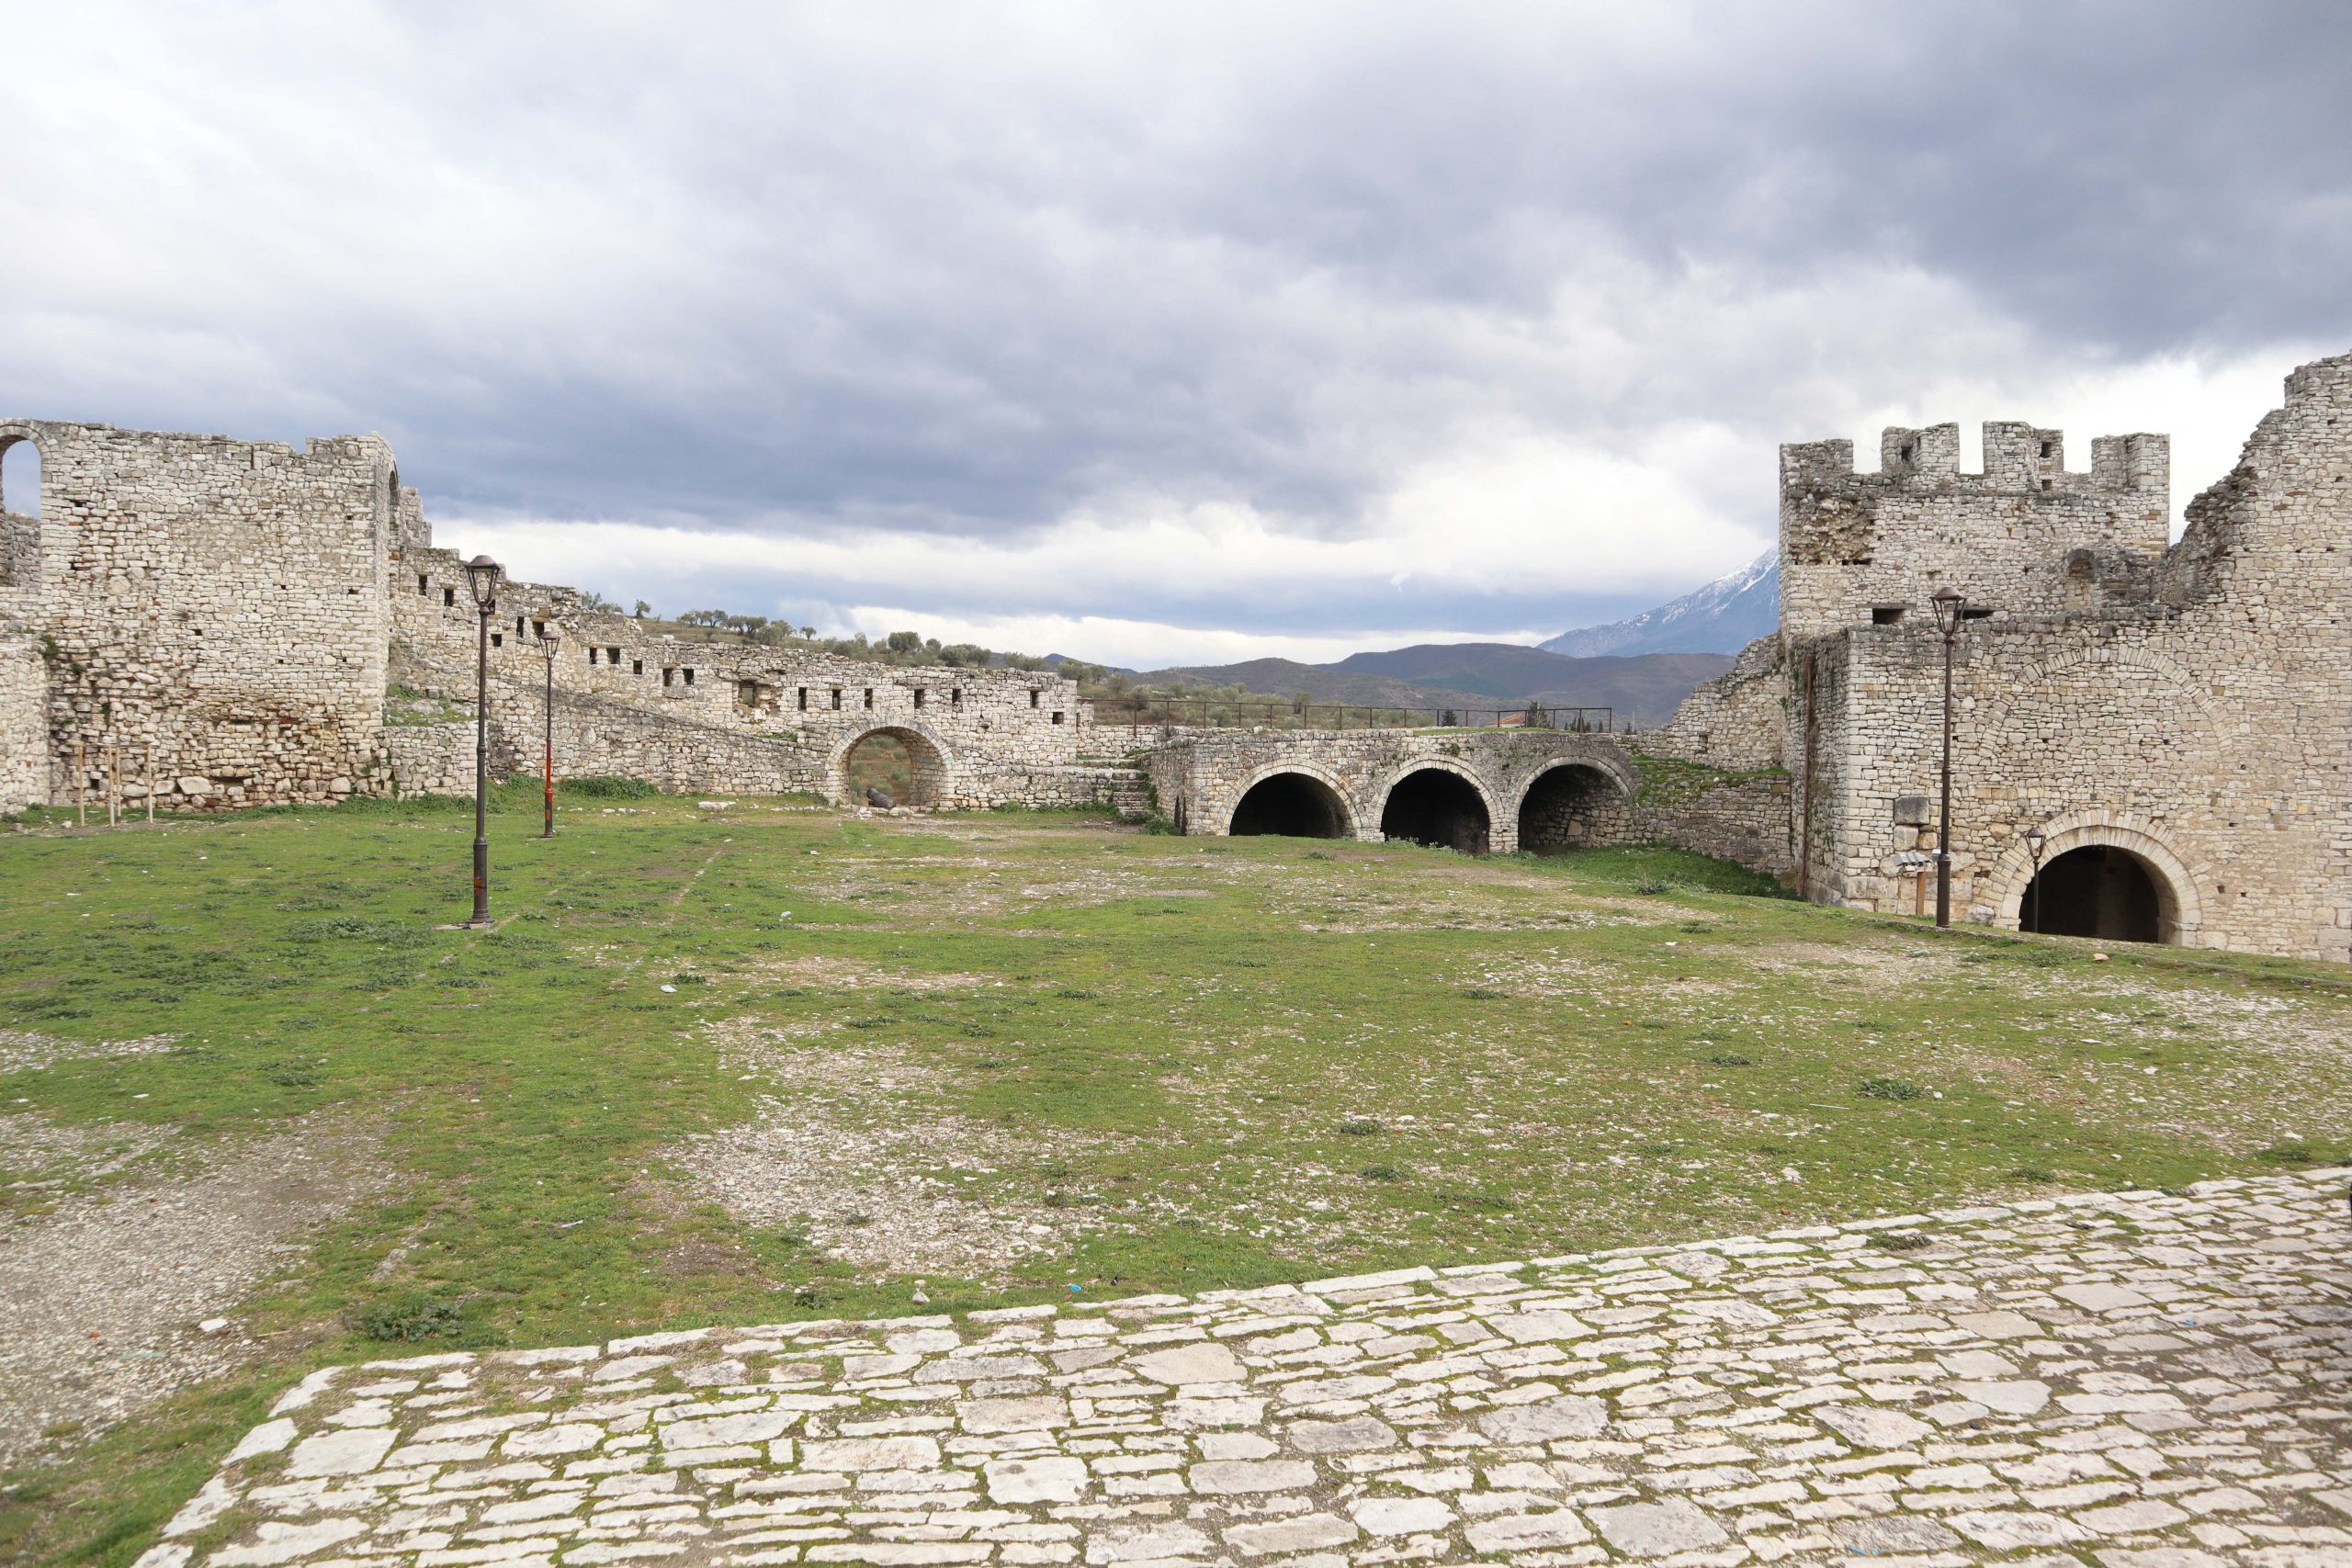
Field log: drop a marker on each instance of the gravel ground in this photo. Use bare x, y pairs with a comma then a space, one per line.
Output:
849, 1154
105, 1292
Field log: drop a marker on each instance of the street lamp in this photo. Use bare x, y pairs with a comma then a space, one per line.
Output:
1949, 603
2035, 838
550, 640
481, 579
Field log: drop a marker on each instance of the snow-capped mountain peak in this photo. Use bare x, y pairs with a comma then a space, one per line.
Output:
1722, 618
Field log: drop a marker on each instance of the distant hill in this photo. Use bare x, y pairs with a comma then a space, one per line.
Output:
1723, 617
1465, 675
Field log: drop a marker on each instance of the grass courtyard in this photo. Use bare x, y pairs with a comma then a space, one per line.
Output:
776, 1061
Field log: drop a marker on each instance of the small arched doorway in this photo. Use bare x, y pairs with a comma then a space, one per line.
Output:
1436, 806
1294, 805
2102, 891
900, 763
1571, 806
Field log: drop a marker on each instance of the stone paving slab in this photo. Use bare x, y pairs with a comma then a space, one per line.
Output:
2127, 1380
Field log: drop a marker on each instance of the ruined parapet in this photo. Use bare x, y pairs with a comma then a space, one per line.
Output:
1859, 547
1739, 719
208, 607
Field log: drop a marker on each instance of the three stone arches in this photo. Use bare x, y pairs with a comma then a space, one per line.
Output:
1562, 801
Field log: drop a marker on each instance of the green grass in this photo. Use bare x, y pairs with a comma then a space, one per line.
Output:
1217, 1062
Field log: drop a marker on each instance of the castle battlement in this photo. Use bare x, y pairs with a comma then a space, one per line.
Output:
2026, 458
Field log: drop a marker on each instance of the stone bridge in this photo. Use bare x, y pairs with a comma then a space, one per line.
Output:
1478, 791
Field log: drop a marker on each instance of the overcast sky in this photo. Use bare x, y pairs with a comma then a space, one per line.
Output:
1162, 333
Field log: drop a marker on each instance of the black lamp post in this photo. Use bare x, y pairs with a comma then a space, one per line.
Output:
2035, 838
481, 579
1949, 604
550, 641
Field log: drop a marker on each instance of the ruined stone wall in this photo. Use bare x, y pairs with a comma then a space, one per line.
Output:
1737, 720
220, 603
24, 723
2193, 708
673, 710
1744, 818
1855, 543
431, 759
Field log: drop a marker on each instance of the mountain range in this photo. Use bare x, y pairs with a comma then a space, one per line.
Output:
1641, 666
1723, 617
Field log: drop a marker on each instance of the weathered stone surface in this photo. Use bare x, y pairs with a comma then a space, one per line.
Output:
1799, 1398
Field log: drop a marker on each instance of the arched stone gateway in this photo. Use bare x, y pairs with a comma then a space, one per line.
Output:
926, 769
1440, 805
1293, 804
1571, 804
2100, 891
2101, 878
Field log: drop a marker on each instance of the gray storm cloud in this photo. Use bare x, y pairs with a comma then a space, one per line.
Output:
1165, 325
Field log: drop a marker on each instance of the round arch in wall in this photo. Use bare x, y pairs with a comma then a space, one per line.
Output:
1437, 801
932, 765
1295, 800
1571, 802
2131, 850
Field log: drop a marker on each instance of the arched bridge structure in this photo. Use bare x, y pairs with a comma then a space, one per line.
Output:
1475, 790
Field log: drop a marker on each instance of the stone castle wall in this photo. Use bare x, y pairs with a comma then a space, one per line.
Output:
2190, 705
1881, 543
709, 715
217, 603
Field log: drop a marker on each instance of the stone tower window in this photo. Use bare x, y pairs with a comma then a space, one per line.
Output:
869, 696
1033, 695
423, 587
955, 696
919, 696
1886, 614
804, 699
636, 666
449, 598
690, 676
2045, 448
498, 640
1057, 716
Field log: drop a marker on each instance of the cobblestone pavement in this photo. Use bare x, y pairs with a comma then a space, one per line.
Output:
2123, 1380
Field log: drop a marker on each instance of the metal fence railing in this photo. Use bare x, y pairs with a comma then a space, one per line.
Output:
1168, 715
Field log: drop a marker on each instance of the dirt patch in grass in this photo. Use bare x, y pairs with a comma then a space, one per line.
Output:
855, 1154
820, 972
23, 1051
107, 1292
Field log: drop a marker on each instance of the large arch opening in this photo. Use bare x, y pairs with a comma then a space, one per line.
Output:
19, 477
1571, 807
1438, 806
1293, 806
2102, 891
897, 763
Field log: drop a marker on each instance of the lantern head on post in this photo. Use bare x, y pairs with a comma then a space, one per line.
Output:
551, 639
1949, 603
481, 578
